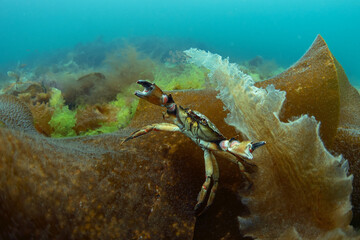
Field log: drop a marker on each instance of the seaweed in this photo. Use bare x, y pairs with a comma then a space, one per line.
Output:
298, 177
260, 69
42, 114
63, 119
15, 114
93, 188
127, 107
120, 69
115, 88
184, 76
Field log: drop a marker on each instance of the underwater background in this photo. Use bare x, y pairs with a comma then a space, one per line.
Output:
277, 30
68, 72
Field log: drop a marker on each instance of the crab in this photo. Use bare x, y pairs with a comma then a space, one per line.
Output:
204, 133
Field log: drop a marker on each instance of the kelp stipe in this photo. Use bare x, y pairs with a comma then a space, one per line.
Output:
300, 188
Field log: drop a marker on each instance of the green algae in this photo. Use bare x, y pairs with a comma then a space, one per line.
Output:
167, 77
184, 76
63, 119
127, 110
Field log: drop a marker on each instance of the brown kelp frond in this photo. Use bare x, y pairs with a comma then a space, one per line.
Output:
85, 188
307, 188
14, 114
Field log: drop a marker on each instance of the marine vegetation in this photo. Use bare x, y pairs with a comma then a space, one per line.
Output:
93, 76
201, 131
184, 76
63, 119
260, 69
310, 187
97, 100
91, 187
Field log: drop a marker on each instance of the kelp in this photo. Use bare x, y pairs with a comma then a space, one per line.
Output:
15, 114
84, 188
297, 179
93, 188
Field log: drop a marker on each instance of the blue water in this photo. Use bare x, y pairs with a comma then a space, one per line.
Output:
281, 30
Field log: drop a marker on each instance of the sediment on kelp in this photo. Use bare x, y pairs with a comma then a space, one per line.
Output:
301, 181
15, 114
85, 188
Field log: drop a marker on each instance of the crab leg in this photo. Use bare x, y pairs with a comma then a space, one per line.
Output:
246, 175
208, 145
209, 170
168, 127
215, 179
231, 158
242, 169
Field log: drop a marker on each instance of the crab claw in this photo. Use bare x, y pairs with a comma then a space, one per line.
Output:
256, 145
148, 88
243, 149
151, 93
